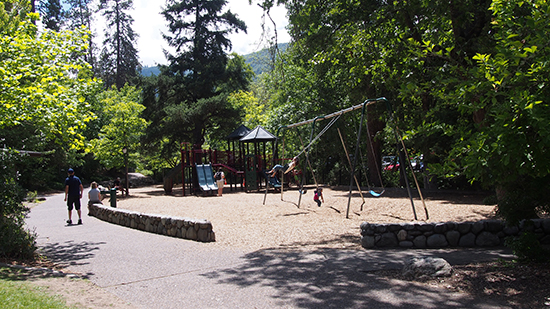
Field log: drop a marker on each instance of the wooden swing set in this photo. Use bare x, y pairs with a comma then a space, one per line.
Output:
353, 164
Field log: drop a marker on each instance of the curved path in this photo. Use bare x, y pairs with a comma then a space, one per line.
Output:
154, 271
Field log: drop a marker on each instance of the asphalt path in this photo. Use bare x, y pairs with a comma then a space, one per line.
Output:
154, 271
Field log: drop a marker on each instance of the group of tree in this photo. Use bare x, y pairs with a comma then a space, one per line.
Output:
467, 82
57, 101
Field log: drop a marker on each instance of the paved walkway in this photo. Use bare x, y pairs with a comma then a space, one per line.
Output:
154, 271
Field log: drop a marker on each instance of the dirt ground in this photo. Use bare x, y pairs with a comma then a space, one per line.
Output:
242, 220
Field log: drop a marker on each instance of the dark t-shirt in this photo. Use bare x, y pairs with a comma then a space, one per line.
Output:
74, 185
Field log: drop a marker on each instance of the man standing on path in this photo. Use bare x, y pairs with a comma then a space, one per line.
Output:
73, 194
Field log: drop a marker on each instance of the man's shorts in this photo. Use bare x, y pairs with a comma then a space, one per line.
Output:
73, 199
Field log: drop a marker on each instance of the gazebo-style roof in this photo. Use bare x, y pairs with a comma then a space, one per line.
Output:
259, 134
239, 132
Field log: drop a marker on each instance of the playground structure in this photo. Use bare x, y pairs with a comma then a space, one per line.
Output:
243, 164
248, 168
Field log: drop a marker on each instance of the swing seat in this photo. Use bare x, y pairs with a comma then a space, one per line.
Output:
273, 181
375, 194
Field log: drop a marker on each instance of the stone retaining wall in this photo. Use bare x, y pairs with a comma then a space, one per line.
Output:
199, 230
487, 233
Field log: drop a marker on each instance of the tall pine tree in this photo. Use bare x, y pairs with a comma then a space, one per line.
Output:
199, 68
119, 60
80, 13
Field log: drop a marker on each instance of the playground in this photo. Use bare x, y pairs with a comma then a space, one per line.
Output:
240, 220
253, 212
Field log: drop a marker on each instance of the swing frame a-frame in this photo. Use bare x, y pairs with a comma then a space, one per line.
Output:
305, 149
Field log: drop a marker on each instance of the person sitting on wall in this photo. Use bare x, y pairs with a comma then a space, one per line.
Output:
94, 195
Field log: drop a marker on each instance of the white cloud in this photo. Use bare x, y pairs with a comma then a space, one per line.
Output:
150, 24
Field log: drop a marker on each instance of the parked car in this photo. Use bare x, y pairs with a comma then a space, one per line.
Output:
390, 163
417, 163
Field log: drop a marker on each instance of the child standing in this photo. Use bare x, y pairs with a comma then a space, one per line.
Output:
220, 180
318, 197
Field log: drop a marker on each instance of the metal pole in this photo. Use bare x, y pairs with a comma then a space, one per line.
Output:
307, 160
352, 173
340, 112
402, 158
125, 153
126, 161
182, 170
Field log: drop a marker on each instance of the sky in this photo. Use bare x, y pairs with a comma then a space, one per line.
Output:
150, 25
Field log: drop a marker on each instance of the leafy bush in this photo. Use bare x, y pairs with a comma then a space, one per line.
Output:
32, 196
527, 248
524, 198
15, 240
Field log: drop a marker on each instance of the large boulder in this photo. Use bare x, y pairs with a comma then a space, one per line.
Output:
419, 267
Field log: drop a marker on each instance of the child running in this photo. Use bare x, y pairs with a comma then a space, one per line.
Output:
318, 196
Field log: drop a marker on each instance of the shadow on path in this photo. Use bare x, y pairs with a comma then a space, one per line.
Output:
70, 253
335, 278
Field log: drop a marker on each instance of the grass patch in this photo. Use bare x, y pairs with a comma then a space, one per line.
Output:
15, 293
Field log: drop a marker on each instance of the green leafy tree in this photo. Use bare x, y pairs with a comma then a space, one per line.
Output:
119, 58
44, 100
43, 94
199, 72
508, 92
124, 127
42, 85
254, 111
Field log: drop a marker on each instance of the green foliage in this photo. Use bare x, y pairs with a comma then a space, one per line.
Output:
45, 89
12, 13
42, 84
254, 111
15, 240
200, 75
506, 95
527, 248
32, 196
52, 14
78, 14
123, 128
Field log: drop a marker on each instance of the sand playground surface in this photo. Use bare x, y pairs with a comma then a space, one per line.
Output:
241, 220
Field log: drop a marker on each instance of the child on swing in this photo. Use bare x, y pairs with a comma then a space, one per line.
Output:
287, 168
318, 196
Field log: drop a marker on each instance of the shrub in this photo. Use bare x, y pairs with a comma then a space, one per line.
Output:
527, 248
15, 240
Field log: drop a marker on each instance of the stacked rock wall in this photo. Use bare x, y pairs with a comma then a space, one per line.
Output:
487, 233
200, 230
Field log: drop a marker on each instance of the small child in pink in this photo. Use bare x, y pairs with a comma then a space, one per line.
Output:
318, 197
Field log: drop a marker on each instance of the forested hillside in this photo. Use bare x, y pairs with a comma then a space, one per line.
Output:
261, 61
